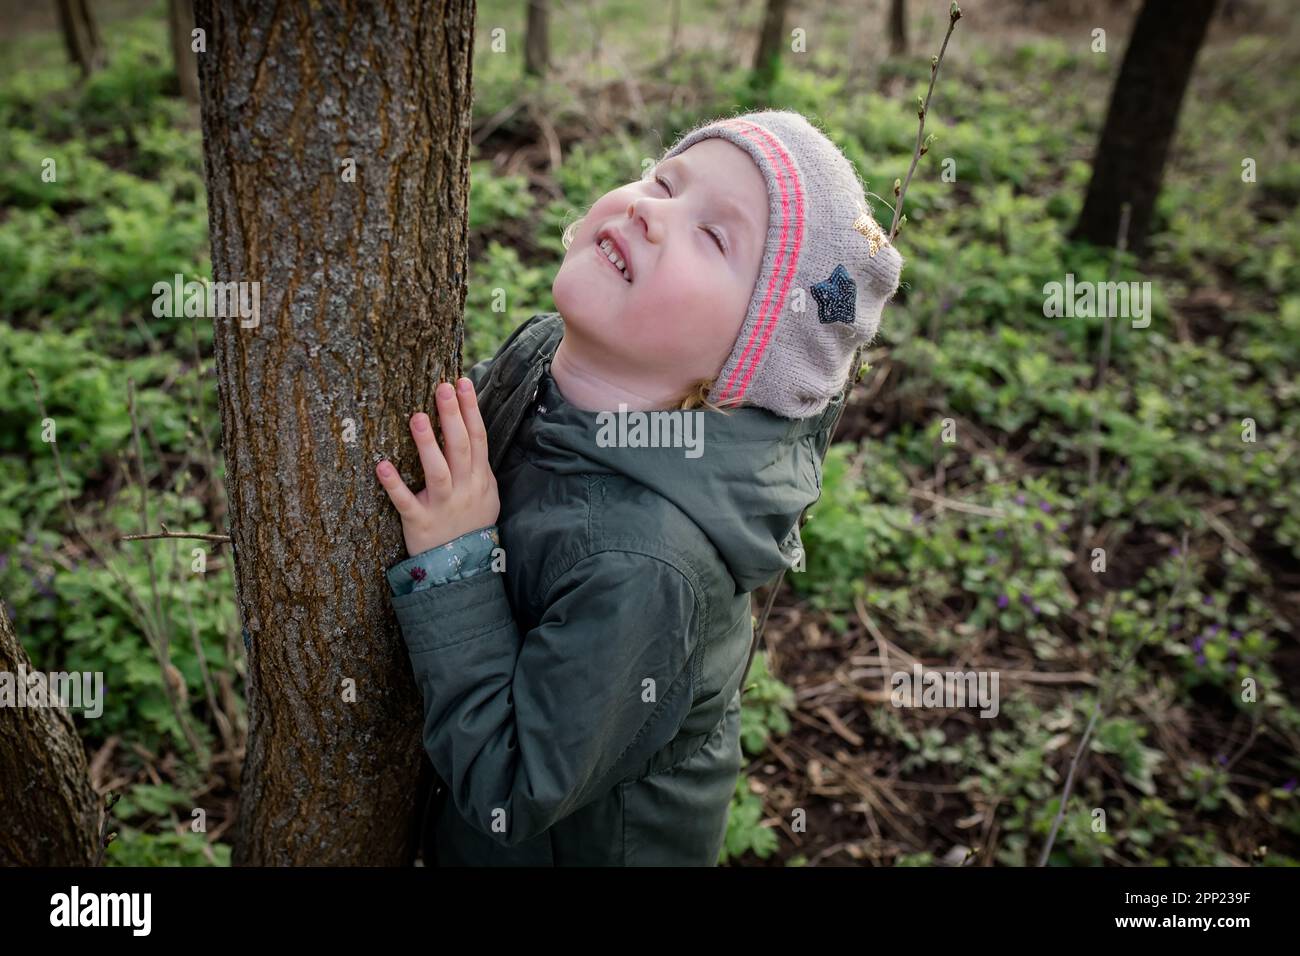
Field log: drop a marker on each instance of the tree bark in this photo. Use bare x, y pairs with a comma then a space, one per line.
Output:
537, 42
897, 27
180, 21
51, 814
80, 35
362, 294
770, 40
1141, 120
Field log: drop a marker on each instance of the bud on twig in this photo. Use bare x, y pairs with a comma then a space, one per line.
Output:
954, 14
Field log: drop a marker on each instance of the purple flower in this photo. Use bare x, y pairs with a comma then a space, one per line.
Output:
1036, 609
1001, 533
1214, 629
1235, 635
1020, 499
1200, 659
1199, 642
1026, 599
1003, 600
916, 519
1045, 507
1289, 785
1208, 600
1174, 551
1038, 526
1223, 759
419, 574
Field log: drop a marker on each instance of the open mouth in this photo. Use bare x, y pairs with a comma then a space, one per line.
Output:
610, 251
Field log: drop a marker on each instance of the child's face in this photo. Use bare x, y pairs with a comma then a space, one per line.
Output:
675, 322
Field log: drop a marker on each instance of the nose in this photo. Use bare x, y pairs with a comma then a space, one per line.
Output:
645, 210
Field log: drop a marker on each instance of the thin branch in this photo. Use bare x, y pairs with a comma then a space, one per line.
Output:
954, 14
197, 536
105, 837
1103, 703
66, 496
162, 647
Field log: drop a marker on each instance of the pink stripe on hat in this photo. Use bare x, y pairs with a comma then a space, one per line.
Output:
791, 264
783, 264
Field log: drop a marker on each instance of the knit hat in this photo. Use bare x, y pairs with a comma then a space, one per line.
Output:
828, 268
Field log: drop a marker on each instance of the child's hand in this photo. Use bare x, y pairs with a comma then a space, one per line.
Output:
460, 491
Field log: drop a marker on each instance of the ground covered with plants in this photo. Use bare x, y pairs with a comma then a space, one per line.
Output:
961, 514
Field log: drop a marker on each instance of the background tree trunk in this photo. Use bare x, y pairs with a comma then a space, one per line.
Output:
537, 42
362, 294
770, 40
80, 35
180, 20
50, 813
897, 27
1130, 159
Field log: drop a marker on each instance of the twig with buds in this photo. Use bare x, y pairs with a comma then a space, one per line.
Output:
165, 533
923, 108
105, 838
900, 190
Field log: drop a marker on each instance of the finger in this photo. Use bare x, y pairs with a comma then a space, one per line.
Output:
455, 439
436, 475
398, 493
469, 410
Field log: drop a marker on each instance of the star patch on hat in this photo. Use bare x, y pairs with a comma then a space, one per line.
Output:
835, 297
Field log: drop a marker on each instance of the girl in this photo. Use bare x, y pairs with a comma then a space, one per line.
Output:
576, 604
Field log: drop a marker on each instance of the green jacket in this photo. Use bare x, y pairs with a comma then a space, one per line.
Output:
582, 703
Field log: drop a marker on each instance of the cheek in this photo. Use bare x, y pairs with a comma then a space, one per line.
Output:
693, 310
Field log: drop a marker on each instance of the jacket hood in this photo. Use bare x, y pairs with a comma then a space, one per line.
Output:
743, 477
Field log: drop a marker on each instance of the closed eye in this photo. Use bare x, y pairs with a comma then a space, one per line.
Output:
717, 238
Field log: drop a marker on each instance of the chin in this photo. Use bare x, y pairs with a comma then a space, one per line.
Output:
579, 301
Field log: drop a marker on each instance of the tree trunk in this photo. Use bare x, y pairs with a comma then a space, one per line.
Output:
770, 40
897, 27
50, 811
1140, 123
537, 43
180, 20
361, 298
80, 35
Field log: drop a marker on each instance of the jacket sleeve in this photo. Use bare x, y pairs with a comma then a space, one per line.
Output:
526, 729
461, 557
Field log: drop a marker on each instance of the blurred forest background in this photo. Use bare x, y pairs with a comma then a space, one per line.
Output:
966, 555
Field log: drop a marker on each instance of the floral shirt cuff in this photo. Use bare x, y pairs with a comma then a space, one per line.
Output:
461, 557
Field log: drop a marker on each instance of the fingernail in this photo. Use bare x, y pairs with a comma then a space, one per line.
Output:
464, 385
385, 469
421, 422
444, 390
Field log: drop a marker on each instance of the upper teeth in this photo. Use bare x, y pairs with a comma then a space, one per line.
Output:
607, 247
